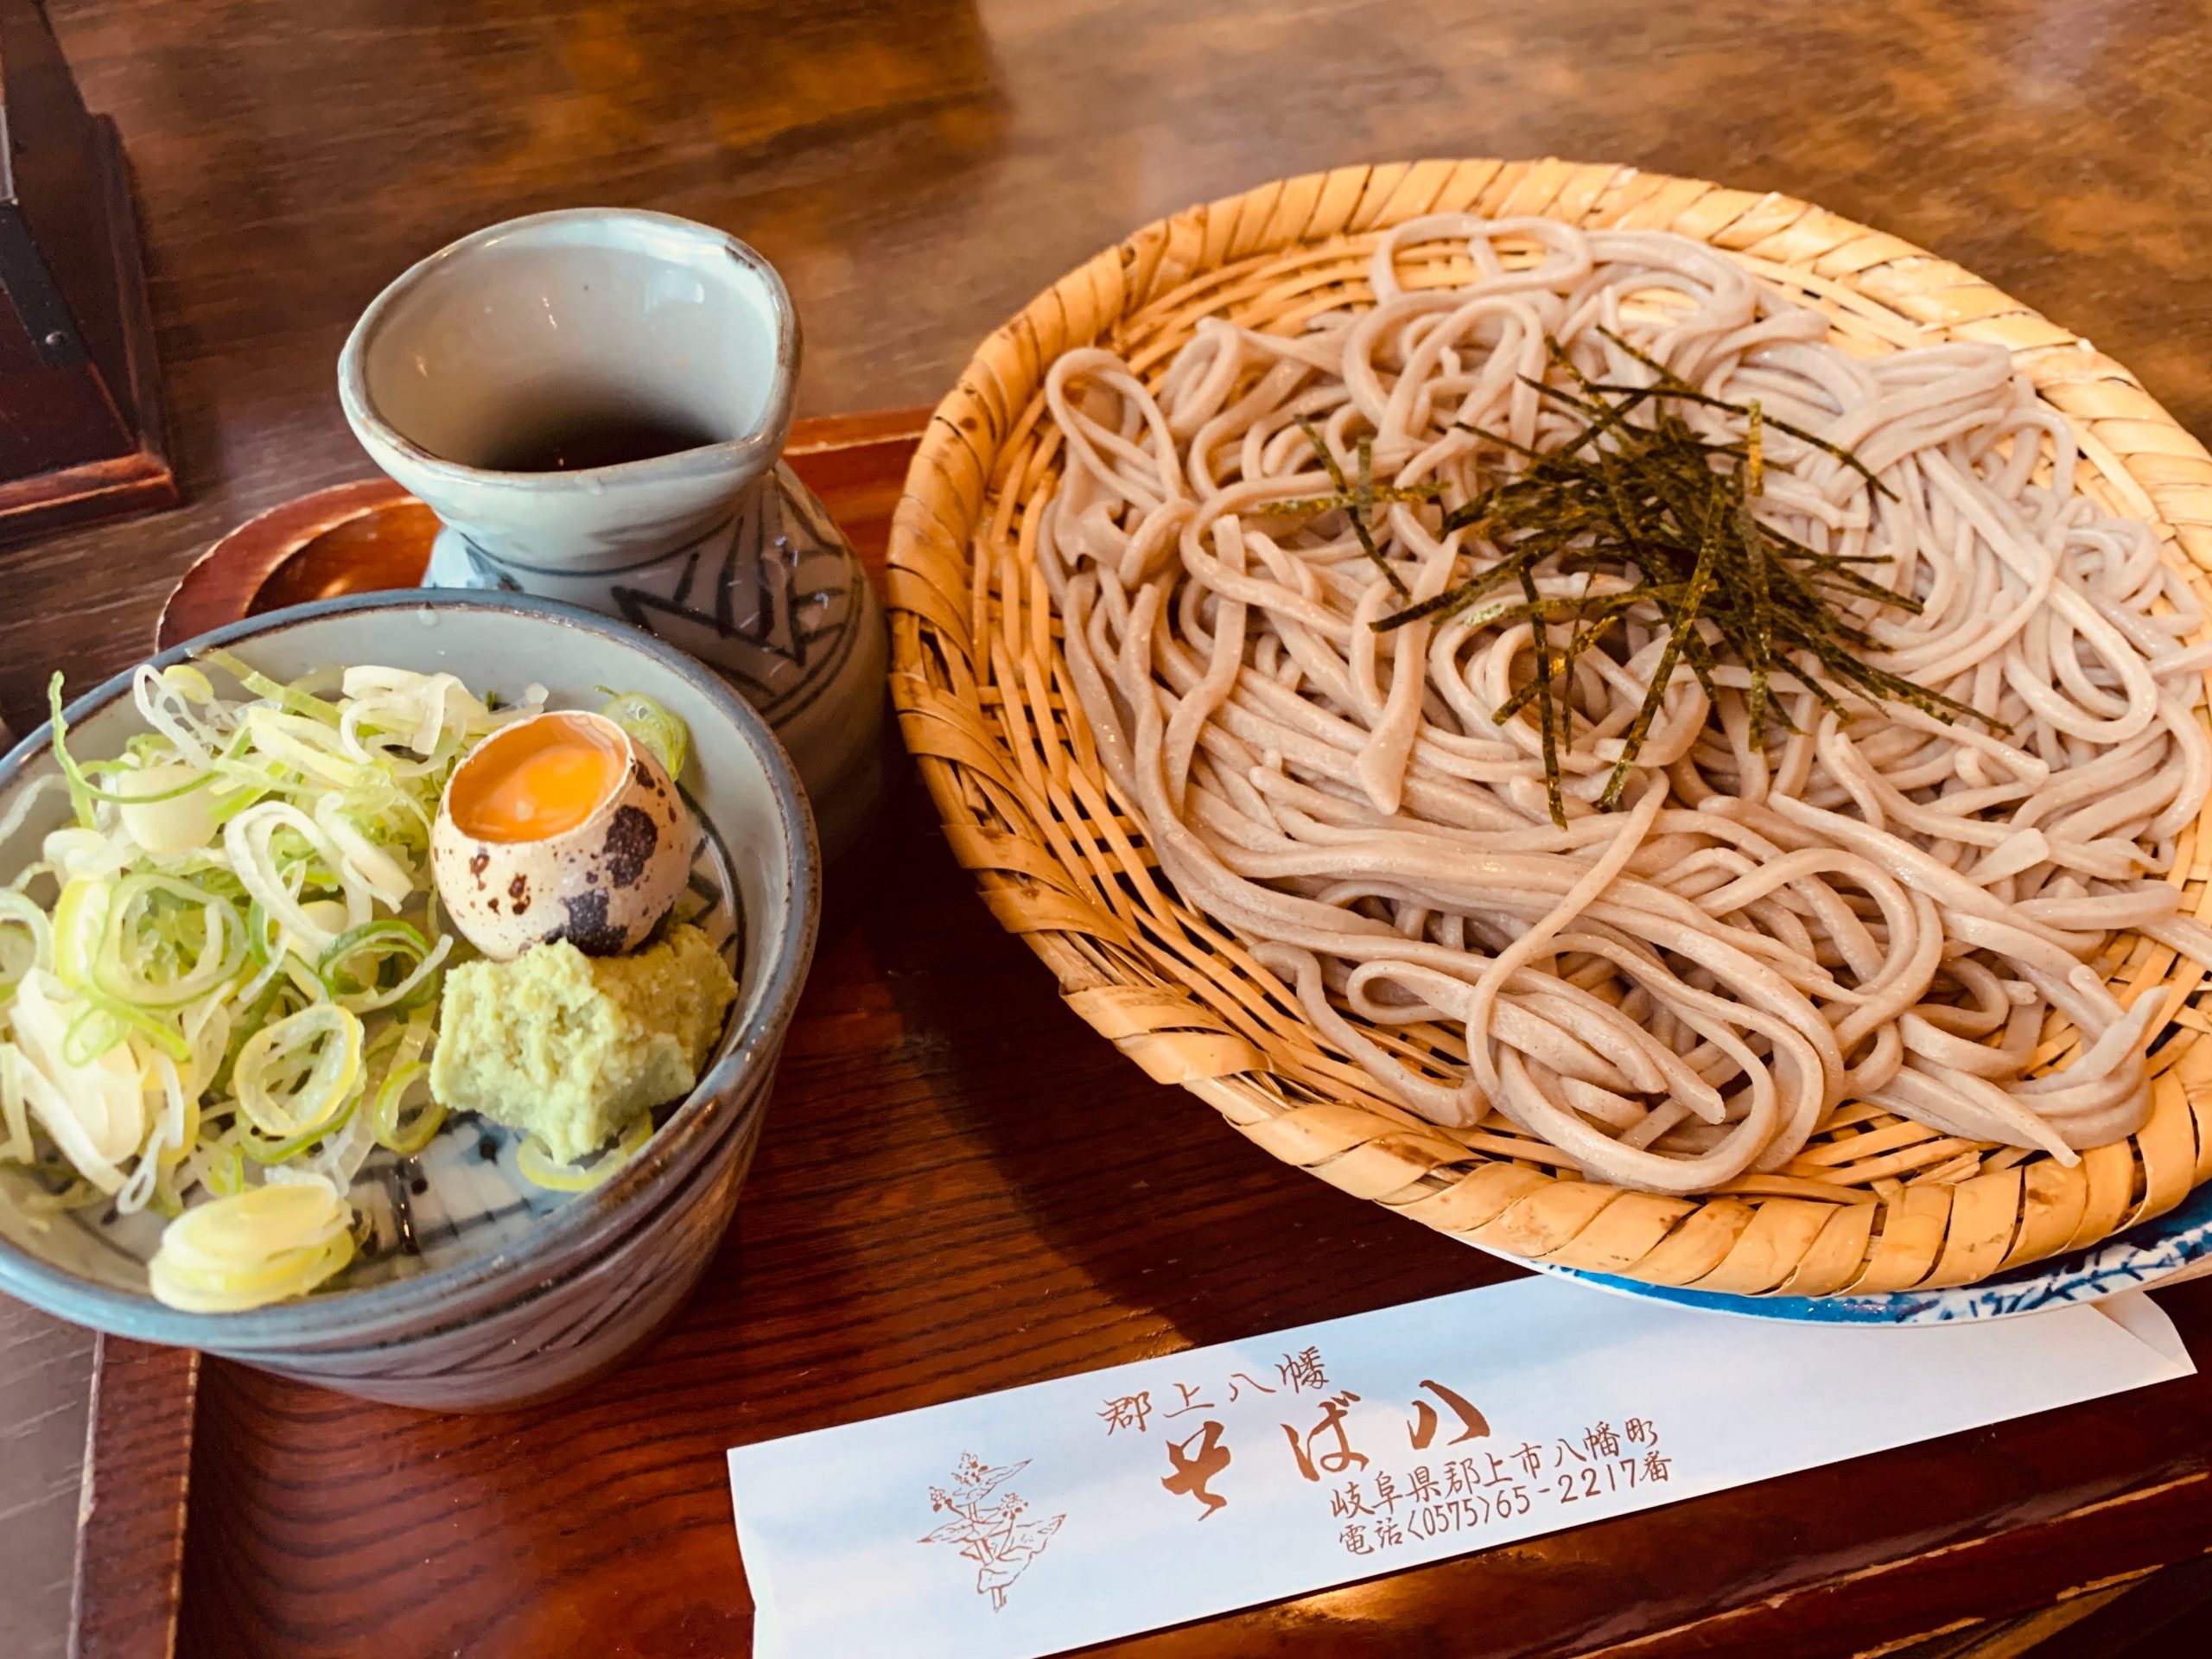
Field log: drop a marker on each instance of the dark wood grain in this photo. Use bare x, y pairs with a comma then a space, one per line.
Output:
347, 538
130, 1513
80, 427
961, 1187
45, 1369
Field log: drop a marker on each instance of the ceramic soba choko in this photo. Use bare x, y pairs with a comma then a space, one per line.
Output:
594, 402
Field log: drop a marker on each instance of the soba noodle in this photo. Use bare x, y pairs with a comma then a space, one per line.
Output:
1881, 908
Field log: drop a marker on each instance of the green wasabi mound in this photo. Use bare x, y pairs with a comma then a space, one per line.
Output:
570, 1048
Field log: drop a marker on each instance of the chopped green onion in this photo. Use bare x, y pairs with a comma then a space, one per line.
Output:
17, 911
416, 1133
289, 698
377, 942
79, 923
258, 1246
539, 1168
123, 797
664, 734
294, 1075
81, 793
260, 935
263, 1151
103, 1022
227, 1174
127, 966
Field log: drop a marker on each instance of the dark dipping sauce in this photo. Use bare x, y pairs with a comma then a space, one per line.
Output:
575, 444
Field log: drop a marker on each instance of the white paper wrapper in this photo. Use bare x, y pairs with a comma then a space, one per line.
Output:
1072, 1511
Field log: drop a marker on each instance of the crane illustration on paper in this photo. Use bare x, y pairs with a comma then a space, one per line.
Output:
993, 1535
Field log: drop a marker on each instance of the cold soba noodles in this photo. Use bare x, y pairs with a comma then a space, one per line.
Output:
1676, 938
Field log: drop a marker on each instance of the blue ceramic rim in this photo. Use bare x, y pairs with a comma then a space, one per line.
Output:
2139, 1256
351, 1316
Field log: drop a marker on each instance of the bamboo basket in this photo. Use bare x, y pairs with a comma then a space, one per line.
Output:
1874, 1203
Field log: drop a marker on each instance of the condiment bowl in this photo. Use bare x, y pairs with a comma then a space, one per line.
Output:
479, 1289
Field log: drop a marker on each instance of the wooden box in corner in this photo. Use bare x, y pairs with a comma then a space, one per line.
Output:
81, 430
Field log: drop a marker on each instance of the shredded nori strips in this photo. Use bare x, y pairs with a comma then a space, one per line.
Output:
1637, 489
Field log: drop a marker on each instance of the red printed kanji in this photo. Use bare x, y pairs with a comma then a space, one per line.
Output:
1194, 1469
1303, 1370
1331, 1461
1348, 1501
1191, 1401
1473, 1426
1130, 1411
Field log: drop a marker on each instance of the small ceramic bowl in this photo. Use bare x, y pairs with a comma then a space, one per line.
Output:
479, 1289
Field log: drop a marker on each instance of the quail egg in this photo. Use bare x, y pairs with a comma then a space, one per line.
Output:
560, 827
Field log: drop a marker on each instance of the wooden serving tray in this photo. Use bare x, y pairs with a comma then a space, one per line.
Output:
961, 1188
371, 534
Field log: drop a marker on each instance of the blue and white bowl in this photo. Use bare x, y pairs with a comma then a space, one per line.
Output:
479, 1289
2163, 1250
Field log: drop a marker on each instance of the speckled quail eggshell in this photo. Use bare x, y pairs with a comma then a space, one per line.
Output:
603, 886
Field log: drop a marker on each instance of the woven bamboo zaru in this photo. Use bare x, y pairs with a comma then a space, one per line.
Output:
1873, 1203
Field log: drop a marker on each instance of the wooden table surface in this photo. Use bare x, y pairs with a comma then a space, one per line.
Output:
961, 1187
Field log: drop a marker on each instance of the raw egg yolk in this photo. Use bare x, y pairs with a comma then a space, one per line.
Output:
540, 779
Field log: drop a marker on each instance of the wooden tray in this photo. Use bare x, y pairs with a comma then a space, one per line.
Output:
371, 534
351, 538
960, 1189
